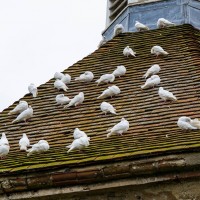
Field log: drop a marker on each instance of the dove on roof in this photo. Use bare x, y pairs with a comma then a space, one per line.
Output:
61, 99
23, 105
166, 95
128, 52
158, 50
25, 115
162, 23
79, 144
154, 69
33, 90
78, 133
120, 71
141, 27
106, 78
66, 79
102, 42
118, 29
85, 77
39, 147
58, 75
60, 85
24, 142
110, 92
151, 82
3, 139
184, 123
107, 107
119, 128
4, 150
77, 100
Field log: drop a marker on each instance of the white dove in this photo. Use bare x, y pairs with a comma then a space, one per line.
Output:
185, 123
39, 147
33, 90
3, 139
119, 128
86, 77
60, 85
77, 100
151, 82
141, 27
58, 75
166, 95
110, 92
107, 107
162, 23
196, 123
102, 42
79, 144
157, 50
24, 142
78, 133
61, 99
23, 105
128, 52
118, 29
120, 71
106, 78
4, 150
26, 114
154, 69
66, 79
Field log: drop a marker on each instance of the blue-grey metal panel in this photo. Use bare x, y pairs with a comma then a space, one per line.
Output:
177, 11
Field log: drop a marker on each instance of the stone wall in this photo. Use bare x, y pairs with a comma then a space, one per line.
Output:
176, 190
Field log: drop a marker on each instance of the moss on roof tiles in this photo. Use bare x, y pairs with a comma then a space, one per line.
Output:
150, 120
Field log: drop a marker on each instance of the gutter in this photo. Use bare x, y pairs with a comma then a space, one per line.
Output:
99, 177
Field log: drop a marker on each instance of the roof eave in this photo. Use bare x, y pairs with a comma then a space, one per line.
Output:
144, 171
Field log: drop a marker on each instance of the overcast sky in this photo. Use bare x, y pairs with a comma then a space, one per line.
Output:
40, 37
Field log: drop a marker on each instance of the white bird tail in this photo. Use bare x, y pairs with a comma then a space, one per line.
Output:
165, 53
97, 81
23, 148
99, 97
77, 79
29, 152
71, 148
143, 86
109, 134
35, 93
11, 112
146, 75
14, 121
113, 111
133, 54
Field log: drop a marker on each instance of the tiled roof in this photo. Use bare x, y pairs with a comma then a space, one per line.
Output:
150, 119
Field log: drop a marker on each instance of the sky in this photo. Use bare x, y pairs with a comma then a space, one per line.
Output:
40, 37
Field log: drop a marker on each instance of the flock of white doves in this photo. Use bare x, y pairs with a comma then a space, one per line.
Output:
81, 140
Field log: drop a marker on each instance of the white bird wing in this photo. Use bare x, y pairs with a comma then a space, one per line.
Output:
4, 150
24, 141
121, 126
185, 125
3, 140
168, 95
19, 108
66, 79
26, 114
196, 123
78, 134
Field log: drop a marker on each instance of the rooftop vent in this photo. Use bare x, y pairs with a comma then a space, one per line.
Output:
114, 8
